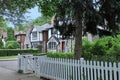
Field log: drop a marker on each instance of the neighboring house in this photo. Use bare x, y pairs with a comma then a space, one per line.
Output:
27, 42
39, 36
3, 36
20, 37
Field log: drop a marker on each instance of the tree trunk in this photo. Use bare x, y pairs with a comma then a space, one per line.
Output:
78, 36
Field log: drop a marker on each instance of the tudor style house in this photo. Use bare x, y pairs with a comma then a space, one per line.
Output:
47, 37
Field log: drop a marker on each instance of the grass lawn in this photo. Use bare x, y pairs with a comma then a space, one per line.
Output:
8, 57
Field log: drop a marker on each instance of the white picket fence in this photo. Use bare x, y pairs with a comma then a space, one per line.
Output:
70, 69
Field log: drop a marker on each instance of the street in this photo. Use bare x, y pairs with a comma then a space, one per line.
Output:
8, 71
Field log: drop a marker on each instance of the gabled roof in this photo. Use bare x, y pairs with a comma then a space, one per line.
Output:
19, 32
57, 39
43, 27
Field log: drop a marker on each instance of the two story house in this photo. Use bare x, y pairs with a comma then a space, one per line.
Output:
39, 36
47, 37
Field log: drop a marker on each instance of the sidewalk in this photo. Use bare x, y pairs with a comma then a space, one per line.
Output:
8, 71
6, 74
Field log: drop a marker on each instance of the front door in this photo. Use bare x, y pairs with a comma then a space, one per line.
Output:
63, 46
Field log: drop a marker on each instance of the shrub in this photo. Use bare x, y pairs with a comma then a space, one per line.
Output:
12, 45
86, 48
11, 52
60, 55
101, 46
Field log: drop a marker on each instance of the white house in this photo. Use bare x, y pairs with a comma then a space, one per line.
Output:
39, 35
47, 37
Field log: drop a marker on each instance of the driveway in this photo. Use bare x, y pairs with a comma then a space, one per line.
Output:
8, 71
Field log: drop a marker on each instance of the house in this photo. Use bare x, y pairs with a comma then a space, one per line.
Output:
47, 37
27, 42
39, 36
20, 37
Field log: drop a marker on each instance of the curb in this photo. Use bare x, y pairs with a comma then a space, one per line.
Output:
9, 59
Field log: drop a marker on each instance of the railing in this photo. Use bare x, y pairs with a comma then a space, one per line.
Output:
70, 69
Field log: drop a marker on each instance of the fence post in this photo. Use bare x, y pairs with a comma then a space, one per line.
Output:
119, 70
19, 62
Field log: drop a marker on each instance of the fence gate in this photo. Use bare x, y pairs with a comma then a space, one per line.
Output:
26, 63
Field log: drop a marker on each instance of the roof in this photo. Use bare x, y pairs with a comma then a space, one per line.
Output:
18, 32
57, 39
43, 27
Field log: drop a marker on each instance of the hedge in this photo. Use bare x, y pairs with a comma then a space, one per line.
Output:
11, 52
60, 55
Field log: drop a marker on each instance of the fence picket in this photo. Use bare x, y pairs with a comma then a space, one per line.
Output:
88, 69
110, 71
95, 76
106, 71
91, 70
69, 69
114, 71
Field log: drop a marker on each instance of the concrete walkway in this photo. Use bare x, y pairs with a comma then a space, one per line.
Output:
8, 71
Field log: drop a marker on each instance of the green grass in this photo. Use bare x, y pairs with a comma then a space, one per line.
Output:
8, 57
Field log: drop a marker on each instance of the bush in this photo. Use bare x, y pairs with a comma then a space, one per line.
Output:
60, 55
101, 46
11, 52
12, 45
86, 48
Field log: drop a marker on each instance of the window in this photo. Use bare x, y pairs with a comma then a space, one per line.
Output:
18, 38
34, 35
52, 45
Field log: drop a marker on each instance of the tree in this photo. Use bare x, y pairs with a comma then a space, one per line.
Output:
12, 45
41, 20
14, 10
10, 34
83, 15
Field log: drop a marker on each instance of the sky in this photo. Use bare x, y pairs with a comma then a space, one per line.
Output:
33, 14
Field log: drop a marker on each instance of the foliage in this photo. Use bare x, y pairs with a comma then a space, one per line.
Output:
14, 10
12, 45
3, 23
86, 48
41, 20
1, 44
11, 52
101, 46
21, 28
10, 34
60, 55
